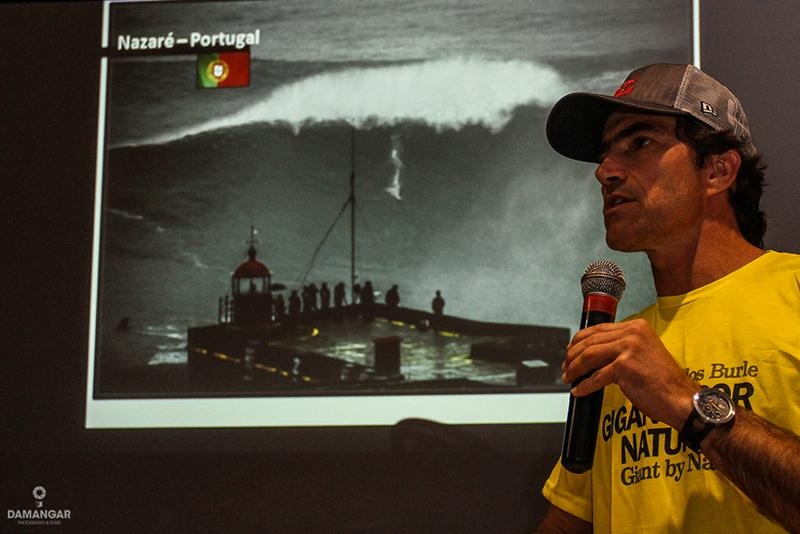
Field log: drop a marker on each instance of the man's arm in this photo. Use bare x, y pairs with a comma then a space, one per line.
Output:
760, 458
557, 521
763, 461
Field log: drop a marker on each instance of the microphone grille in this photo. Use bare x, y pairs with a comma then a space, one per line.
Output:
603, 276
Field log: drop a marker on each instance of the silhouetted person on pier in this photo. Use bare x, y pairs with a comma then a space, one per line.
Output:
269, 306
393, 297
366, 307
324, 297
295, 303
367, 296
306, 299
280, 308
356, 294
313, 292
438, 303
338, 295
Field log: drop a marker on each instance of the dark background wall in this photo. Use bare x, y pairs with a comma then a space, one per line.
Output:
752, 48
415, 478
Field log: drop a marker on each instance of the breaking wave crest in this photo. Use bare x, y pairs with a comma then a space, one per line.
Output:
446, 94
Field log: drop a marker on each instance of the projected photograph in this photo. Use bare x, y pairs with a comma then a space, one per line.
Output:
351, 198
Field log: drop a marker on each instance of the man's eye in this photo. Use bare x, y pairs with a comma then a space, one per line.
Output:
639, 142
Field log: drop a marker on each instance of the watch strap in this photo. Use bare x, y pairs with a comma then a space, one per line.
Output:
694, 431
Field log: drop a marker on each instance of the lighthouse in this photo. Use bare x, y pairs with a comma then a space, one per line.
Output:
251, 294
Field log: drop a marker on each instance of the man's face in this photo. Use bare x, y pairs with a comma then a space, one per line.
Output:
652, 191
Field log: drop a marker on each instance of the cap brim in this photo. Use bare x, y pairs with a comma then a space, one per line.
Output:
575, 123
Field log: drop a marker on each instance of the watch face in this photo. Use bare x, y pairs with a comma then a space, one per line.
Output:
713, 406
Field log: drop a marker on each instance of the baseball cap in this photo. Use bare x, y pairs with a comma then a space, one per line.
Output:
576, 121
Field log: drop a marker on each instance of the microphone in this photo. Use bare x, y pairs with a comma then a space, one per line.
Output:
602, 285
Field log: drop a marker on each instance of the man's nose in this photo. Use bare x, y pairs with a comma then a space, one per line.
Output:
609, 172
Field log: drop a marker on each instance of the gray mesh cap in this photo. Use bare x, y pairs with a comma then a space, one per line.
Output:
575, 124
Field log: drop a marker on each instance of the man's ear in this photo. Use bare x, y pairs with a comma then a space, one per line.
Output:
721, 171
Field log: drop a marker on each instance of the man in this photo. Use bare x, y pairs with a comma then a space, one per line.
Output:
681, 181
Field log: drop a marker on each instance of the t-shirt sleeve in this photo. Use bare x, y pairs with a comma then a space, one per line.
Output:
570, 492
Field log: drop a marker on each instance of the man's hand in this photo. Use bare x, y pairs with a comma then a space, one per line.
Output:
631, 355
760, 458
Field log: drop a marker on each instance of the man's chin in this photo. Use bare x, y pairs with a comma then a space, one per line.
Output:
621, 245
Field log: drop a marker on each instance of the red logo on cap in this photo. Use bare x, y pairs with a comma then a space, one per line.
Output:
625, 88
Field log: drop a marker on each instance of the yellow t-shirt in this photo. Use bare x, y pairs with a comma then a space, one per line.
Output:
740, 333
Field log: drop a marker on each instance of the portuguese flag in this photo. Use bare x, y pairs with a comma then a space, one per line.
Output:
223, 69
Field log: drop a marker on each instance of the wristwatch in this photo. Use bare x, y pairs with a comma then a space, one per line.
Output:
712, 408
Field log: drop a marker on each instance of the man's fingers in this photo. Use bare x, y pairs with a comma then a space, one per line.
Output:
588, 355
594, 382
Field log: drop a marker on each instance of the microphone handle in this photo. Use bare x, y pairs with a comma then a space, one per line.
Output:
583, 415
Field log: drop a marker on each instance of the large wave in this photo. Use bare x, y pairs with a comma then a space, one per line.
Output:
446, 94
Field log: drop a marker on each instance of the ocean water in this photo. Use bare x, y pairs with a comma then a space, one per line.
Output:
438, 107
